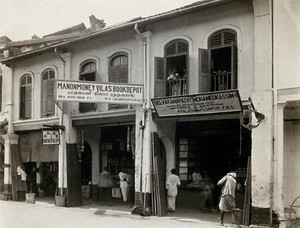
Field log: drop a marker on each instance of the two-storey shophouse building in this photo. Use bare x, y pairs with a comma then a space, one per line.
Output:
212, 78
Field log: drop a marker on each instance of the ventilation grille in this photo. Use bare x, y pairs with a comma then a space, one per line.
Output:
222, 38
177, 47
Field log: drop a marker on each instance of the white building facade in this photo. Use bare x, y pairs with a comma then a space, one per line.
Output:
212, 48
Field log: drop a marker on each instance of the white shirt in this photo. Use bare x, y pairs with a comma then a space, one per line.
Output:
172, 183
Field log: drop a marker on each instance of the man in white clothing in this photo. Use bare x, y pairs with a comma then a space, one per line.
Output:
172, 184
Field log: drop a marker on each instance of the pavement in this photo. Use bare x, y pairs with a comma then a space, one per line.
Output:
211, 217
94, 214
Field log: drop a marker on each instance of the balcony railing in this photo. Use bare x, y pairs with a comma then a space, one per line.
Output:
177, 86
221, 81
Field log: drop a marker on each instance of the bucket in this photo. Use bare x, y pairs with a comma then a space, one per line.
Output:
60, 201
30, 198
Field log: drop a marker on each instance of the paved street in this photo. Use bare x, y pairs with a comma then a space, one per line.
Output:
42, 214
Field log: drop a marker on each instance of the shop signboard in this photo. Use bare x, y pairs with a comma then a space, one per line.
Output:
51, 137
197, 104
92, 92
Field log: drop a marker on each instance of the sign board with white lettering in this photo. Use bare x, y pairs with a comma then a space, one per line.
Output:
88, 92
195, 104
51, 137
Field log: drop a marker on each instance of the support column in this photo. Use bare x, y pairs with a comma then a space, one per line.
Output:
279, 159
38, 174
9, 139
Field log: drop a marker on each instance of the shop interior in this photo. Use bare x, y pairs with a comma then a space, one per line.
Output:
46, 184
211, 149
117, 154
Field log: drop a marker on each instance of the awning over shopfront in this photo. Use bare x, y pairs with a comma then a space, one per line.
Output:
106, 119
33, 150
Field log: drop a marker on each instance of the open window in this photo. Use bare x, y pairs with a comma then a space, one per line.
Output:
25, 96
171, 71
87, 73
218, 63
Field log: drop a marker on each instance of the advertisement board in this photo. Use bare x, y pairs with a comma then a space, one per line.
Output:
92, 92
195, 104
50, 137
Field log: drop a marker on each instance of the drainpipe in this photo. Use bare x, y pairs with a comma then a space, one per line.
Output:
62, 142
61, 58
145, 102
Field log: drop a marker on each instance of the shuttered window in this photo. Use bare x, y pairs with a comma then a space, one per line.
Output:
48, 105
223, 60
118, 72
88, 73
26, 97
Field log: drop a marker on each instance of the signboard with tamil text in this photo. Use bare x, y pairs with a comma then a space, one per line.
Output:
50, 137
195, 104
90, 92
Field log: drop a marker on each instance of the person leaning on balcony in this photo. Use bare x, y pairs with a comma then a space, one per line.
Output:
172, 184
227, 201
171, 74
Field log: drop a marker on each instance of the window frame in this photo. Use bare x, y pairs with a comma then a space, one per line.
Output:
48, 96
118, 69
87, 107
26, 96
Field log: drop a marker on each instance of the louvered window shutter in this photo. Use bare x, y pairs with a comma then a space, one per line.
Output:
28, 101
44, 95
234, 64
204, 70
50, 107
160, 79
123, 74
118, 72
113, 74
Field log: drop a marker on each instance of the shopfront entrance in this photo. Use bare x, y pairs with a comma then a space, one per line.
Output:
116, 155
211, 149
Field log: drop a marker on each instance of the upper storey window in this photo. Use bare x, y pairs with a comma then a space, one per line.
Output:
172, 70
48, 105
218, 63
118, 73
88, 73
25, 96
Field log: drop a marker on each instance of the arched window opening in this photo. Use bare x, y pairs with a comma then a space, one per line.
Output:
25, 97
176, 53
223, 53
48, 105
88, 73
118, 73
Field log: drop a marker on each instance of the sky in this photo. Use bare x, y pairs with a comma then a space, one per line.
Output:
21, 19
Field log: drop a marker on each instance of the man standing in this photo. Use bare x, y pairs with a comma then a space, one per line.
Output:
105, 184
227, 201
124, 185
172, 184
